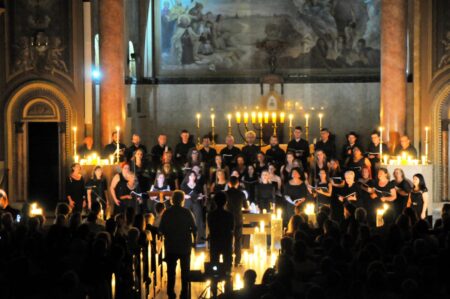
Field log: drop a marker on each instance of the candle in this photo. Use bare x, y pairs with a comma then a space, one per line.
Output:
212, 120
279, 211
118, 143
424, 160
274, 117
76, 158
380, 220
229, 120
238, 117
291, 117
198, 120
74, 141
266, 117
307, 120
245, 118
264, 211
385, 159
253, 117
113, 286
260, 117
381, 142
276, 231
282, 116
262, 225
320, 121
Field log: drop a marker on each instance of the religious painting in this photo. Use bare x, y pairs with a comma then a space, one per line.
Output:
223, 38
441, 30
39, 35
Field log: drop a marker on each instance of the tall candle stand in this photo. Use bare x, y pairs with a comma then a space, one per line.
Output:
213, 129
229, 125
291, 117
118, 145
198, 128
307, 127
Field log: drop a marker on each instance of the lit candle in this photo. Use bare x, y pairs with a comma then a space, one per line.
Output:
291, 117
113, 286
76, 158
307, 120
262, 225
74, 141
320, 121
381, 142
279, 211
424, 160
282, 117
212, 120
245, 118
253, 117
198, 120
260, 117
274, 117
266, 117
385, 159
379, 219
229, 120
238, 117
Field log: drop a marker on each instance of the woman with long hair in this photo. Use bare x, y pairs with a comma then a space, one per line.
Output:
194, 201
97, 188
384, 194
323, 189
76, 193
319, 163
140, 167
357, 161
403, 187
117, 182
418, 199
250, 180
287, 167
218, 165
295, 192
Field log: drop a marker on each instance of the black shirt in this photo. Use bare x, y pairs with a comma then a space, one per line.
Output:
181, 151
221, 225
228, 155
75, 189
208, 157
264, 195
300, 150
110, 149
83, 151
157, 153
276, 155
329, 148
129, 152
250, 152
98, 187
410, 151
347, 151
235, 202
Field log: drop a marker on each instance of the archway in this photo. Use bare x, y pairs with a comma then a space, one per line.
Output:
31, 104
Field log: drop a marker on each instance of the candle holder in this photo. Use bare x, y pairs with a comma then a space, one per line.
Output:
118, 145
213, 129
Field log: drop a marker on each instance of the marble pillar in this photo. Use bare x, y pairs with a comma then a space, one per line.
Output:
112, 51
444, 173
393, 69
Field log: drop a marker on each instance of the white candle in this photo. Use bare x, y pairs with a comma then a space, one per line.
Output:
198, 120
291, 117
212, 120
229, 120
307, 120
381, 142
118, 143
320, 120
113, 286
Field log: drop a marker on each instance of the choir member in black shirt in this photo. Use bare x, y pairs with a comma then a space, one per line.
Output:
299, 146
373, 151
403, 187
194, 158
125, 196
171, 174
208, 153
357, 161
261, 163
287, 167
87, 148
384, 194
326, 143
265, 192
182, 148
194, 201
418, 200
347, 149
5, 207
323, 189
319, 163
142, 169
111, 148
159, 149
161, 185
229, 152
295, 192
335, 173
251, 150
275, 154
349, 193
117, 182
250, 179
236, 203
406, 147
135, 145
220, 183
76, 192
366, 184
240, 165
218, 165
97, 188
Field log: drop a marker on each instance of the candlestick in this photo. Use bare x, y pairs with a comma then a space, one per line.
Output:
266, 117
113, 286
198, 120
229, 124
291, 117
307, 126
320, 121
426, 142
260, 118
213, 128
198, 116
253, 117
245, 118
212, 120
118, 144
74, 141
238, 117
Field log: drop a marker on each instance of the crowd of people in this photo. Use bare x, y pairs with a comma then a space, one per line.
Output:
344, 255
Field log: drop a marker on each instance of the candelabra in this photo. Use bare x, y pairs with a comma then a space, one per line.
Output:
258, 120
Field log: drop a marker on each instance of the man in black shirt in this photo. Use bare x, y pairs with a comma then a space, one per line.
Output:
87, 148
229, 152
300, 147
111, 148
373, 151
347, 149
208, 153
326, 144
405, 146
179, 230
235, 202
251, 150
159, 149
136, 144
5, 207
221, 228
182, 148
275, 154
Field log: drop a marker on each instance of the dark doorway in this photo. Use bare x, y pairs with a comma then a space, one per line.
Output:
43, 164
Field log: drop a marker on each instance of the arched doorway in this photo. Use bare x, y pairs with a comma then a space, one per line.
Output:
38, 118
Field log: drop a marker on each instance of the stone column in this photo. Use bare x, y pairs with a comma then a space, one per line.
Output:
444, 173
112, 51
393, 69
